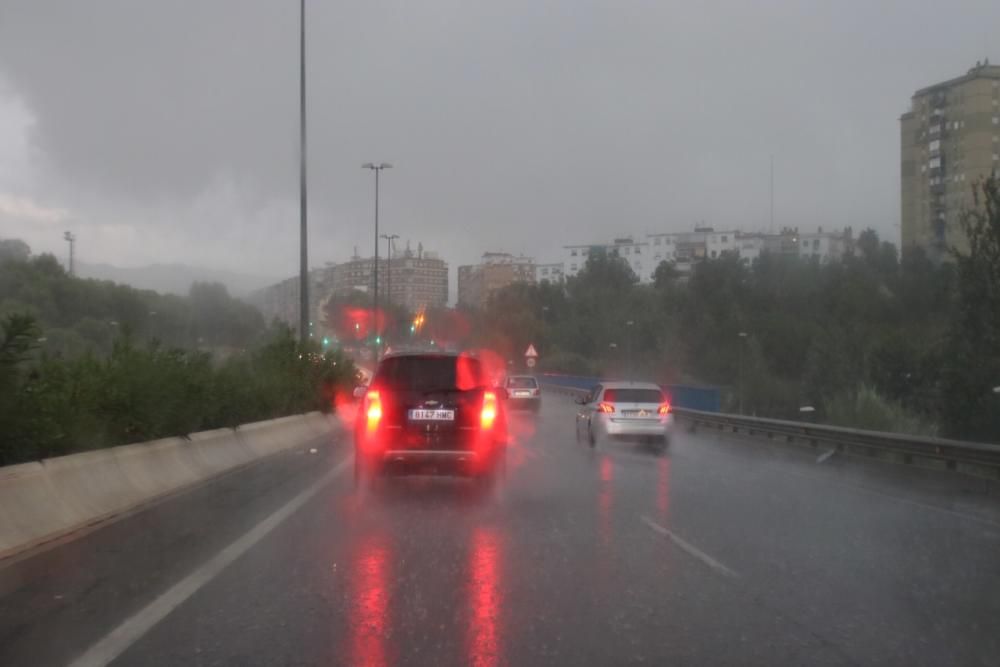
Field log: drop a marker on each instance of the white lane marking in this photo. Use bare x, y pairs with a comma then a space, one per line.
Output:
825, 455
690, 549
129, 632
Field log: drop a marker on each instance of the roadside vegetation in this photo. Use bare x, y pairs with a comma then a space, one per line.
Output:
87, 364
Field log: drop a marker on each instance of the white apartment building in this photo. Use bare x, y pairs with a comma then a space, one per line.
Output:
750, 247
635, 253
825, 247
554, 272
718, 244
685, 249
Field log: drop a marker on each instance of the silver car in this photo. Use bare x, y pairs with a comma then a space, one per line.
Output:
523, 392
625, 410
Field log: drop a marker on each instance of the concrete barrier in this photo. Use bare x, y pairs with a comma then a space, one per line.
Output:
29, 507
42, 501
158, 466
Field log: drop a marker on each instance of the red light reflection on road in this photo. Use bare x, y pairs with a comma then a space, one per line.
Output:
606, 498
663, 489
485, 599
369, 616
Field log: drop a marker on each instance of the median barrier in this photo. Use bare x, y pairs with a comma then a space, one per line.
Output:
219, 450
44, 500
29, 507
158, 466
91, 484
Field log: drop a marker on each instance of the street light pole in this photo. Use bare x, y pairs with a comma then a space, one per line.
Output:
71, 237
303, 231
377, 168
389, 238
743, 336
630, 344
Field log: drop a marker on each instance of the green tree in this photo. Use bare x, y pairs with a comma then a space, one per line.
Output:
972, 367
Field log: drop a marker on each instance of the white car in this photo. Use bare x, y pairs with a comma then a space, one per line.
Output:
627, 411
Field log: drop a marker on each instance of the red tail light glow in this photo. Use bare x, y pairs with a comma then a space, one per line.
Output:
489, 413
605, 407
374, 408
664, 408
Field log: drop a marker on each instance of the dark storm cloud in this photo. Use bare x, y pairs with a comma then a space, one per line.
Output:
531, 123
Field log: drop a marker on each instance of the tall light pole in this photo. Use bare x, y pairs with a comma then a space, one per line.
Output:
377, 168
630, 344
71, 238
303, 216
743, 337
389, 238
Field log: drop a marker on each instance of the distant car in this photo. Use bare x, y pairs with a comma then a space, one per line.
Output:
430, 412
523, 392
627, 411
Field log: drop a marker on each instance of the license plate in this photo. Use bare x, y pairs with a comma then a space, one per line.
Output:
522, 394
432, 415
636, 413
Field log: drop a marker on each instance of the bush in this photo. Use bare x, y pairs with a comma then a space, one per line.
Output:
867, 409
51, 406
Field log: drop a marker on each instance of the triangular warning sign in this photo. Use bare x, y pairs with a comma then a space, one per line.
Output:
531, 351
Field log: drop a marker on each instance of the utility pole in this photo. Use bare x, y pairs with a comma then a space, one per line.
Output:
630, 324
303, 215
771, 227
71, 238
389, 238
743, 337
377, 168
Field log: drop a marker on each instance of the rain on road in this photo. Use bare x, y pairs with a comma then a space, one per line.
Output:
720, 551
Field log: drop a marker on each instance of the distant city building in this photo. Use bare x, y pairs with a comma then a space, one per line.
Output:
281, 300
750, 247
554, 272
949, 139
495, 270
685, 249
825, 247
413, 279
635, 253
419, 279
720, 243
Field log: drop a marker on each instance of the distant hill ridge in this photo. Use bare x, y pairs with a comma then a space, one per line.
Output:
174, 278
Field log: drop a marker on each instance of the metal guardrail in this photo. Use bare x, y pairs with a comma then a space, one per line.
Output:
974, 458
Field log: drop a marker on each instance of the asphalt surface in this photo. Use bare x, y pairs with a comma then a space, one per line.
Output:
721, 551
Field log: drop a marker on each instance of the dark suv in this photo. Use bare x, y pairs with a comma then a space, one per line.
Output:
430, 412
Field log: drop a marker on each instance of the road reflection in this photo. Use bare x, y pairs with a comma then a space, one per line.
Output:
485, 598
605, 498
369, 618
663, 490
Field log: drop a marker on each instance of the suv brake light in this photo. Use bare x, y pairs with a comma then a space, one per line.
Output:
664, 408
373, 408
605, 407
489, 413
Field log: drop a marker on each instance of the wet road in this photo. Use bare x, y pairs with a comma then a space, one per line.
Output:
718, 552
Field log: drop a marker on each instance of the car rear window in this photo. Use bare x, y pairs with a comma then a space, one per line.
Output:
430, 372
633, 396
522, 383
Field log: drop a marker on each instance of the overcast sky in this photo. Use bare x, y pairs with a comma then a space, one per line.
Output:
167, 131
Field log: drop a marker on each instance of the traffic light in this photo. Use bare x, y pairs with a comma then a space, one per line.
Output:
378, 340
326, 341
413, 328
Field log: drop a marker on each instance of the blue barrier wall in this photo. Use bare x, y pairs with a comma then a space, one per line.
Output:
707, 399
